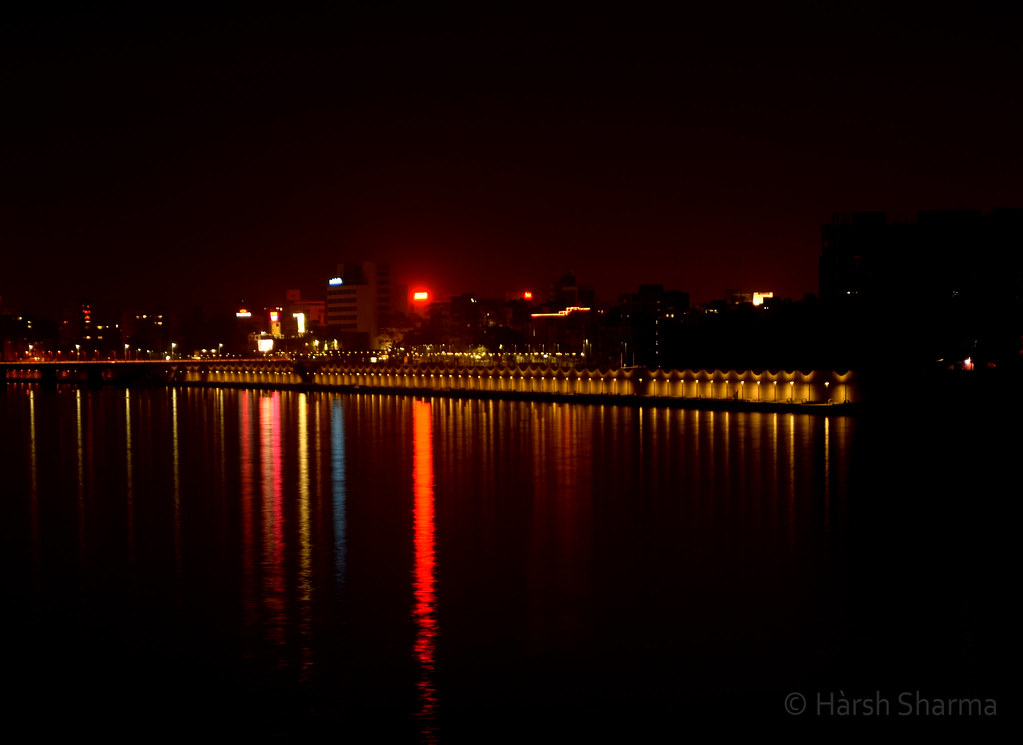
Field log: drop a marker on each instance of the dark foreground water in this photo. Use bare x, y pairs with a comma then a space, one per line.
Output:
380, 568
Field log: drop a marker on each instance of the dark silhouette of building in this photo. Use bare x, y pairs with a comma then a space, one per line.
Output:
936, 290
646, 325
566, 292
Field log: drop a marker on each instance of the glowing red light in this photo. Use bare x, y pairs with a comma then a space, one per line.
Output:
274, 316
527, 295
420, 295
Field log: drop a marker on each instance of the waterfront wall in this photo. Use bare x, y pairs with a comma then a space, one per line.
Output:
750, 386
543, 380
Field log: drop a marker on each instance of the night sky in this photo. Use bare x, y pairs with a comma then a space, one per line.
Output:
182, 155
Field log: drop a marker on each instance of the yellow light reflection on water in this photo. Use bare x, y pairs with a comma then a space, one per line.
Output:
304, 534
129, 481
34, 482
81, 474
176, 481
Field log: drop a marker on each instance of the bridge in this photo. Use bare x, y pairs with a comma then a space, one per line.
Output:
743, 388
91, 372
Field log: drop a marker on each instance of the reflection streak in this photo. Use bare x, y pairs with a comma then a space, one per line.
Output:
792, 483
304, 532
337, 452
827, 472
81, 476
247, 516
425, 561
273, 518
176, 481
33, 483
129, 485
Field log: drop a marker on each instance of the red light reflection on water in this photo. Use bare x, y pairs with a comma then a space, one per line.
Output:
274, 585
424, 577
246, 473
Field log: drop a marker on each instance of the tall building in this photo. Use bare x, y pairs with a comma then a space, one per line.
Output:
648, 325
358, 303
947, 284
850, 245
302, 316
943, 255
568, 293
95, 336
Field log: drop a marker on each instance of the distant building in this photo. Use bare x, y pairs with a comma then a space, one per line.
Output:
648, 325
144, 333
359, 302
567, 331
18, 337
944, 254
742, 297
302, 316
95, 336
568, 293
857, 251
947, 285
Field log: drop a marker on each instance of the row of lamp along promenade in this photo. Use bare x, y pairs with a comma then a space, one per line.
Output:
528, 380
684, 387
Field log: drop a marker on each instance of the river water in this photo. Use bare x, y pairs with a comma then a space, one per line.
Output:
388, 568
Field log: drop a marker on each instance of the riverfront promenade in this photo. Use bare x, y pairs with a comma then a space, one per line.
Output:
743, 389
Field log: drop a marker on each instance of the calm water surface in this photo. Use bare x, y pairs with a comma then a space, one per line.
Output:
282, 563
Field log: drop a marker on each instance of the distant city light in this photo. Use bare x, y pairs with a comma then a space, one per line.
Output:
420, 295
240, 314
265, 345
335, 281
564, 312
275, 316
527, 295
300, 317
760, 297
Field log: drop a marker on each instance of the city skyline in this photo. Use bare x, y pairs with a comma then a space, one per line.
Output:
174, 158
507, 373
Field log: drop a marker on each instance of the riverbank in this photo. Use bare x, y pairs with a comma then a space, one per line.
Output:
819, 391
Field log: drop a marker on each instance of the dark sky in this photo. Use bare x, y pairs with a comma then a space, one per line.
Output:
186, 155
